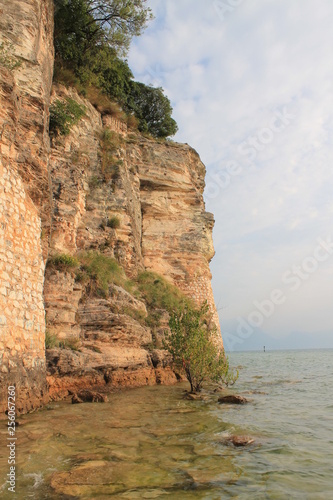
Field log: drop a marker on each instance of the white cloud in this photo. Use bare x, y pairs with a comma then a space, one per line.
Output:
226, 80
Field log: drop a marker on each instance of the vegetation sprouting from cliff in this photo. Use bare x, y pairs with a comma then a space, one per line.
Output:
98, 271
65, 114
7, 59
62, 262
192, 347
190, 337
93, 269
91, 40
158, 293
53, 341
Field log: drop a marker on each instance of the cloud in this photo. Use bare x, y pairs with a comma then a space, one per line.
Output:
227, 79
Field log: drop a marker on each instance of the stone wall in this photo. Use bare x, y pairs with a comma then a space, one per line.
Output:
26, 32
22, 319
200, 289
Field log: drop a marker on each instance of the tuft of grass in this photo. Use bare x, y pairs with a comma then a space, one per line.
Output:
113, 222
132, 122
64, 114
100, 271
51, 340
94, 182
110, 140
63, 262
103, 103
159, 293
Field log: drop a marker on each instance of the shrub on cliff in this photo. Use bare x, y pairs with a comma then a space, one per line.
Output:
63, 262
113, 222
193, 349
7, 58
158, 293
51, 340
99, 271
65, 114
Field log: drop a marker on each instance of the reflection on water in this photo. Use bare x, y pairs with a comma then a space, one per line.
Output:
152, 443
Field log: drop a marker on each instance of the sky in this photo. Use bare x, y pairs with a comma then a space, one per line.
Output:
251, 85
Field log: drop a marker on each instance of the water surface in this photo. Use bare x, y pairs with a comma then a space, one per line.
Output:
152, 443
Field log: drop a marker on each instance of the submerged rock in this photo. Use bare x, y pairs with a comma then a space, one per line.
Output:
89, 397
194, 396
101, 479
256, 392
239, 440
233, 400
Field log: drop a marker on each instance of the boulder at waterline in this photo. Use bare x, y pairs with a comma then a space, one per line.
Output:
232, 399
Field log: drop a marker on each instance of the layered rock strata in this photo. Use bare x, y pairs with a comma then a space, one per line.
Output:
155, 192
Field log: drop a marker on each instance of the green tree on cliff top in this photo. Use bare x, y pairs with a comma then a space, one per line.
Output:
82, 24
120, 20
91, 38
153, 109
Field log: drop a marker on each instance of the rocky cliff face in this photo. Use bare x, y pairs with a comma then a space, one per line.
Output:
26, 56
176, 234
62, 200
155, 190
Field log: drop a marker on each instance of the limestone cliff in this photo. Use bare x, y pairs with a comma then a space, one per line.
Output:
60, 200
156, 193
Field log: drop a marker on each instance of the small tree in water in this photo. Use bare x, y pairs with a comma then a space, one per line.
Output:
191, 343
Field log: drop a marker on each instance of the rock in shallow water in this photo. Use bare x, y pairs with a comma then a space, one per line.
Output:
102, 479
239, 440
192, 396
89, 397
233, 400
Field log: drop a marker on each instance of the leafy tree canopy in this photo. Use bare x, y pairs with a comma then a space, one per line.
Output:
153, 109
85, 22
90, 35
120, 20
